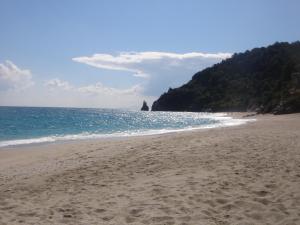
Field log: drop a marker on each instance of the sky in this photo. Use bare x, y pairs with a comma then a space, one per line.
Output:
115, 54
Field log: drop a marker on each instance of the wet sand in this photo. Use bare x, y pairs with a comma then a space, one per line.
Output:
248, 174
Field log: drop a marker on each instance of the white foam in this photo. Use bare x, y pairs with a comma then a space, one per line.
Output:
223, 119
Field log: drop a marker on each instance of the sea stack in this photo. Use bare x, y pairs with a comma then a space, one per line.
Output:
145, 106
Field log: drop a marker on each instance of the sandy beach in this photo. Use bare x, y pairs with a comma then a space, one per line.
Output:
245, 175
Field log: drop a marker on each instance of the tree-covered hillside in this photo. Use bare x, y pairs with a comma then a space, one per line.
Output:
264, 80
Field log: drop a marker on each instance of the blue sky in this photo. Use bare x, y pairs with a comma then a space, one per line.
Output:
56, 42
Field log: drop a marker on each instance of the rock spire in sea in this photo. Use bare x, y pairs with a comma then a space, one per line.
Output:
145, 107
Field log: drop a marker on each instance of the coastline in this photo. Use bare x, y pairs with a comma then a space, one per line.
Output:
223, 119
246, 174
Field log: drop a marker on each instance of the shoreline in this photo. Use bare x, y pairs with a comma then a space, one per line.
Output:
247, 174
225, 120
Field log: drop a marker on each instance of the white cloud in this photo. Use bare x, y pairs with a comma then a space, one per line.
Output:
57, 83
109, 97
162, 69
99, 88
94, 89
12, 77
62, 93
157, 71
130, 61
94, 95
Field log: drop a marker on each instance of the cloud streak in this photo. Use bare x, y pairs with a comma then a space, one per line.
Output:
161, 69
135, 61
92, 89
99, 88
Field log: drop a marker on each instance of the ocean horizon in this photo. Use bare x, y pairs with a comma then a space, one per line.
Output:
30, 125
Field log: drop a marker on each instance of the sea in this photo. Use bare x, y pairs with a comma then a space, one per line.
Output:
31, 125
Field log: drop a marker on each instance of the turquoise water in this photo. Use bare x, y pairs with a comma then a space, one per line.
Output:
25, 125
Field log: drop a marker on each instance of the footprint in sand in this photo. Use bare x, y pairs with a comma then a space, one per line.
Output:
100, 210
261, 193
136, 212
165, 219
221, 201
